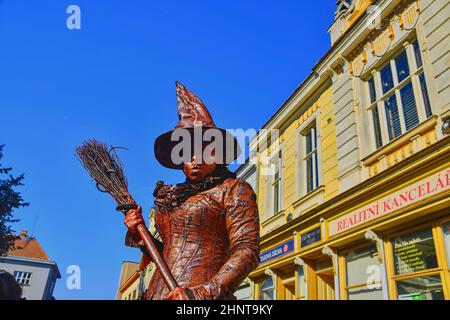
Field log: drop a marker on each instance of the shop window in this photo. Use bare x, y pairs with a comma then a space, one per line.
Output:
244, 292
416, 269
266, 289
301, 284
414, 252
363, 278
398, 94
446, 230
420, 288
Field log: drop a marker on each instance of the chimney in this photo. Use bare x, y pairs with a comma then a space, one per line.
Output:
24, 233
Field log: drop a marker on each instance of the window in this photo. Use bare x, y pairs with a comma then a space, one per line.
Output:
267, 288
398, 96
244, 292
392, 117
446, 230
416, 269
310, 158
362, 274
377, 128
22, 278
414, 252
420, 288
301, 288
426, 101
387, 80
375, 114
276, 184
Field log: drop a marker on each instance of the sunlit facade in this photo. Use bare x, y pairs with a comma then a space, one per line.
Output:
354, 193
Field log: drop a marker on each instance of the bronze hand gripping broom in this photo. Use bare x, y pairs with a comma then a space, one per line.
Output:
106, 169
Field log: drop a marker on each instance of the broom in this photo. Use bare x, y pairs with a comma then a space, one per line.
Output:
105, 167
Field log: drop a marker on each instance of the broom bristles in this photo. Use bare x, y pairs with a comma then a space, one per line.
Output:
105, 167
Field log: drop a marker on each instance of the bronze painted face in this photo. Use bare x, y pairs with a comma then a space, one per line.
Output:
195, 170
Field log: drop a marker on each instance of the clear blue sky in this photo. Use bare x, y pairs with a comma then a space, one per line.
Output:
114, 80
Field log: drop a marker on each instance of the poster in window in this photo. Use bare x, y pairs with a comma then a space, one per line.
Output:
414, 252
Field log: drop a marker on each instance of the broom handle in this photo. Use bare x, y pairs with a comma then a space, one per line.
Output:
156, 257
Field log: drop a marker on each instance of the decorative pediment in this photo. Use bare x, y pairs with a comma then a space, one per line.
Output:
381, 40
410, 16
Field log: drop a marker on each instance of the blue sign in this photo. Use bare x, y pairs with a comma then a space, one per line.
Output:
277, 251
310, 237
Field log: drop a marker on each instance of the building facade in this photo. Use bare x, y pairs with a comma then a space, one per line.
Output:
34, 271
354, 186
134, 280
247, 171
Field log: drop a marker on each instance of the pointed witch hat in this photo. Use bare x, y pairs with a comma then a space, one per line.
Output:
196, 125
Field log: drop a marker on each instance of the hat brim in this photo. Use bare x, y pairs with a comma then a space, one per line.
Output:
165, 143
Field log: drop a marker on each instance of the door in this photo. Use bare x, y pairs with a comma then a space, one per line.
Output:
324, 279
325, 286
289, 291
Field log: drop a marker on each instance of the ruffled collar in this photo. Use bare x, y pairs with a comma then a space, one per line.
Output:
169, 197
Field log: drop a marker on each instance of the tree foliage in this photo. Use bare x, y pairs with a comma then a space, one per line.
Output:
10, 199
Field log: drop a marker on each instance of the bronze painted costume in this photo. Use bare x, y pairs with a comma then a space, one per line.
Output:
209, 229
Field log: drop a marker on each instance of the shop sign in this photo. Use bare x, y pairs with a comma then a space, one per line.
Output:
310, 237
421, 190
277, 251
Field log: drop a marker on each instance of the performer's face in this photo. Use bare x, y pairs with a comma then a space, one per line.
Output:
196, 169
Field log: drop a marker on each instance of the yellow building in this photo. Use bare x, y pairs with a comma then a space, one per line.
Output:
353, 187
129, 281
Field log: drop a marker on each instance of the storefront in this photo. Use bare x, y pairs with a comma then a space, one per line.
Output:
387, 238
357, 202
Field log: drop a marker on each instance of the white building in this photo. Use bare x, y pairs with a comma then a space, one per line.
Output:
35, 272
247, 171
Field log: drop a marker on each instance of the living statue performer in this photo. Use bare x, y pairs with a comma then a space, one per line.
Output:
209, 224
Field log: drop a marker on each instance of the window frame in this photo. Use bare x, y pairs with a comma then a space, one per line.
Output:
313, 155
441, 270
277, 160
260, 288
415, 72
343, 282
301, 183
299, 295
22, 278
269, 210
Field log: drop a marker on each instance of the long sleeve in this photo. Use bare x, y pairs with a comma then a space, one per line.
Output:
242, 223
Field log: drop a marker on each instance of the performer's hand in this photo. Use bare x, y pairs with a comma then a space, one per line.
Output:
177, 294
133, 218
